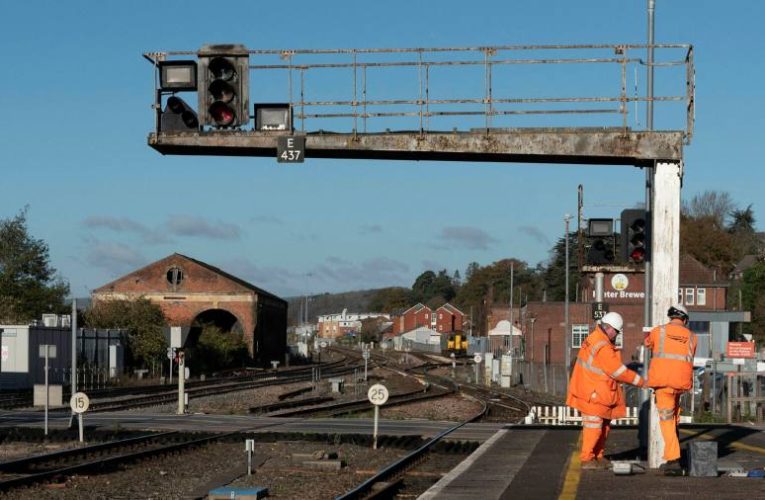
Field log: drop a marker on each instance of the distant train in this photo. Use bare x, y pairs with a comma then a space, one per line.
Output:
457, 343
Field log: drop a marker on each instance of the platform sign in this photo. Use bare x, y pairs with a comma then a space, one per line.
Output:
290, 149
740, 350
80, 402
599, 309
378, 394
47, 349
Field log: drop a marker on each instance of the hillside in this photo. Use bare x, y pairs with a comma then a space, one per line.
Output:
328, 303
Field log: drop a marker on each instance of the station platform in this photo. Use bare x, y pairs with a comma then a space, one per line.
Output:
543, 462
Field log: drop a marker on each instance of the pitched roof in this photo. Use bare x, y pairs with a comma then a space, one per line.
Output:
693, 272
417, 307
451, 308
212, 268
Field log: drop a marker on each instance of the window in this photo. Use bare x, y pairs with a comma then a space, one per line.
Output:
679, 295
578, 334
689, 295
701, 296
174, 276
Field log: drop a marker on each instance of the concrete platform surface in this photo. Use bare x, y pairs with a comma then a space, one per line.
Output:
543, 462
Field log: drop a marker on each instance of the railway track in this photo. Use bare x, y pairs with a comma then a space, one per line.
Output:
100, 457
127, 398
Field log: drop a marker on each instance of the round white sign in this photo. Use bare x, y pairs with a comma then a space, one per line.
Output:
620, 282
378, 394
365, 355
477, 358
322, 344
79, 402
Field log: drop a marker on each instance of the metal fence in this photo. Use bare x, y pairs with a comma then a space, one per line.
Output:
497, 87
541, 377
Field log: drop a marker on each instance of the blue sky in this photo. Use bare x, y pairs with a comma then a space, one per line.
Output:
76, 94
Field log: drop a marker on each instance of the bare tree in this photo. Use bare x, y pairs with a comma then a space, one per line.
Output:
715, 205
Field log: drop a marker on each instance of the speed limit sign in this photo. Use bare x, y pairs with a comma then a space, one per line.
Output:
79, 402
477, 358
378, 394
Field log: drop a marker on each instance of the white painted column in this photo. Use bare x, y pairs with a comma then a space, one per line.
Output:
665, 269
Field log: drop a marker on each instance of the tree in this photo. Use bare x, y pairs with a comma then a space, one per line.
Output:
456, 279
144, 322
471, 269
714, 205
708, 242
389, 300
741, 227
432, 287
753, 298
217, 349
29, 286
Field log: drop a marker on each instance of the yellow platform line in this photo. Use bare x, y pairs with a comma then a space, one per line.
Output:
733, 444
573, 474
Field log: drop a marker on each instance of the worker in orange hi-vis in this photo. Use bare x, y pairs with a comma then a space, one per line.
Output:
595, 391
670, 374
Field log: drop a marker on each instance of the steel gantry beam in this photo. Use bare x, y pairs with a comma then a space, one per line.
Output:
568, 145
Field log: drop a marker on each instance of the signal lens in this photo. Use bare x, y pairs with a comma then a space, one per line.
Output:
637, 255
222, 114
221, 91
222, 68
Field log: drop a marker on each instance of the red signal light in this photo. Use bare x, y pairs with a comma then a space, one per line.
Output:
222, 114
637, 255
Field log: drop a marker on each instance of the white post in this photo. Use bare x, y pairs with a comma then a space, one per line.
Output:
47, 353
73, 377
181, 382
374, 433
665, 270
79, 420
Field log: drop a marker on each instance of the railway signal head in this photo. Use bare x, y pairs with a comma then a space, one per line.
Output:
635, 236
223, 86
600, 232
178, 116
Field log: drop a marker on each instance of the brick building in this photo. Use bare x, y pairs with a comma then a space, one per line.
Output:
332, 326
445, 319
191, 292
701, 290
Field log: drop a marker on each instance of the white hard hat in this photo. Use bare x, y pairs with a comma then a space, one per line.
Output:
678, 311
614, 320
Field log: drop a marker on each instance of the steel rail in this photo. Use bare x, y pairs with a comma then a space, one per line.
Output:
105, 463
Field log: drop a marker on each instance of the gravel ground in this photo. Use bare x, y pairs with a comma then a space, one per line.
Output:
192, 474
239, 403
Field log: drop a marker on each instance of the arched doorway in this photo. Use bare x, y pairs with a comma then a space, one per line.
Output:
216, 342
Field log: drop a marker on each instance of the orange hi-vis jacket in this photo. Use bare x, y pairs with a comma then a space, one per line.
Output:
594, 387
673, 347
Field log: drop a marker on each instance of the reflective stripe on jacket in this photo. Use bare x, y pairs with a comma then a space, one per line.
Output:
593, 388
673, 347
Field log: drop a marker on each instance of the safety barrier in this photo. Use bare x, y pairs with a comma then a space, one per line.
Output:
565, 415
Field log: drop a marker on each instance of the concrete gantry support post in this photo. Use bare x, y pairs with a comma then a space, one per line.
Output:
665, 269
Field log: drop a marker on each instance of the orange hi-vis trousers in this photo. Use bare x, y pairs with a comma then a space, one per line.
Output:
667, 403
594, 433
